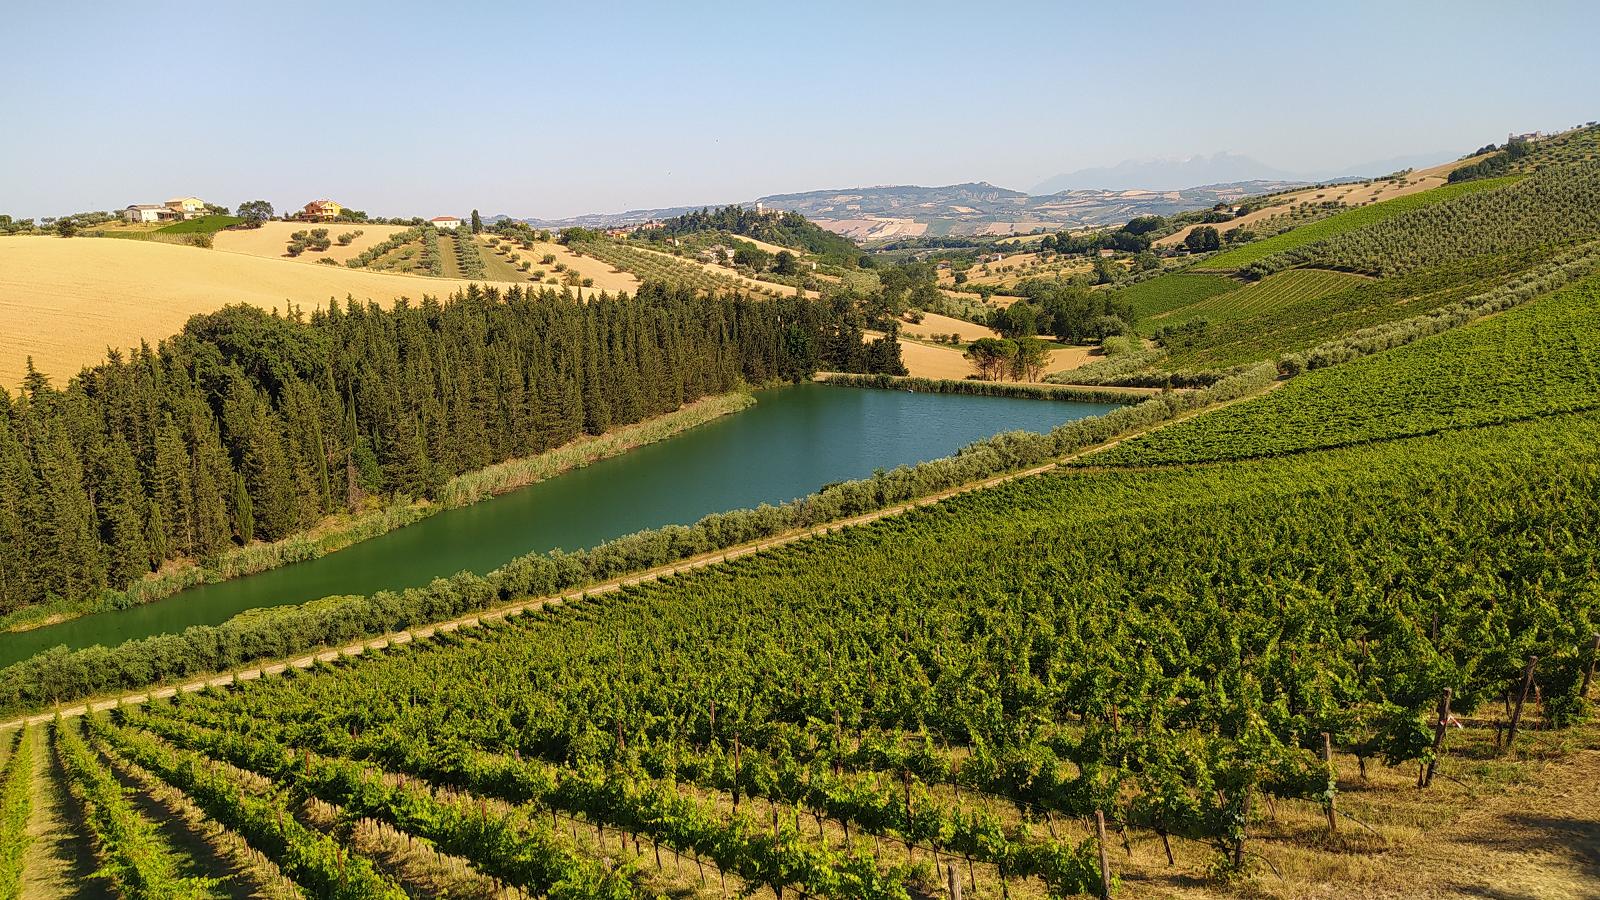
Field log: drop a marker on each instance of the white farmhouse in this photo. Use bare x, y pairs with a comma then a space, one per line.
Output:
146, 212
450, 222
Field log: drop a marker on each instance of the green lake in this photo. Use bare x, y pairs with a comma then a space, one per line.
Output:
792, 442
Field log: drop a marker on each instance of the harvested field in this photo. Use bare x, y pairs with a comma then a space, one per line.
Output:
65, 301
931, 361
272, 240
934, 323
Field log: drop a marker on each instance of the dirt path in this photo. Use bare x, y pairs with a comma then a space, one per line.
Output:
59, 860
308, 660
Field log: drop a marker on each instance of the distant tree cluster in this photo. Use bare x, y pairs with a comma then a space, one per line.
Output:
789, 229
1493, 166
1022, 359
315, 239
1071, 312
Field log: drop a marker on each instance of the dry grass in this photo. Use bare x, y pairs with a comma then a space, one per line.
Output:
272, 240
605, 277
65, 301
924, 360
1523, 827
935, 323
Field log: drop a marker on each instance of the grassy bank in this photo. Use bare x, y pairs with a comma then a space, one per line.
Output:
340, 531
986, 388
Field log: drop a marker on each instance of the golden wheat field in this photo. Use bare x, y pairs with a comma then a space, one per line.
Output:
66, 301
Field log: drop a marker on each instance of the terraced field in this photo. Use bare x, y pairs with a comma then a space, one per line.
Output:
1276, 292
1538, 360
1349, 220
1162, 295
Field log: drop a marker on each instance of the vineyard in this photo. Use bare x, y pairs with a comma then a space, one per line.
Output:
1348, 220
1272, 331
1538, 360
1292, 288
862, 733
1552, 207
1170, 292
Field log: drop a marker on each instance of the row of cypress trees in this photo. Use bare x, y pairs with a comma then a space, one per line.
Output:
251, 426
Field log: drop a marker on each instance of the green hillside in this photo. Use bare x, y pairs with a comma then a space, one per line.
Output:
786, 229
202, 225
1535, 361
1349, 220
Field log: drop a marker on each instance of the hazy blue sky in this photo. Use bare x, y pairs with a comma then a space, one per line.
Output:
556, 109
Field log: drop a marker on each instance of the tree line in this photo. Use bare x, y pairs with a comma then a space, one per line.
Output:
251, 426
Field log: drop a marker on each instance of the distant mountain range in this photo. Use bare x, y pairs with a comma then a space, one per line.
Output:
891, 211
1219, 168
1086, 198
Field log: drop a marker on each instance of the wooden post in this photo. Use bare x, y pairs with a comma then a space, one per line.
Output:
1327, 757
952, 881
1516, 712
1440, 729
1105, 864
1588, 674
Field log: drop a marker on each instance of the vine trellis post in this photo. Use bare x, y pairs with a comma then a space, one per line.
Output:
1516, 712
1440, 729
1333, 777
1105, 863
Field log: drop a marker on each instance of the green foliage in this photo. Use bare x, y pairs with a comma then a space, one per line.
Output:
1298, 323
888, 661
317, 862
1172, 291
254, 212
58, 675
1349, 220
1538, 360
1252, 300
202, 225
1550, 208
787, 229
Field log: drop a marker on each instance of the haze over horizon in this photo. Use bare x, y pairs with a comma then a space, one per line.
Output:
557, 111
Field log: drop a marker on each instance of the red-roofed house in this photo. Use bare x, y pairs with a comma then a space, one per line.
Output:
321, 210
450, 222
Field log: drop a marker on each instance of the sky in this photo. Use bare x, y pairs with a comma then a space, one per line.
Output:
552, 110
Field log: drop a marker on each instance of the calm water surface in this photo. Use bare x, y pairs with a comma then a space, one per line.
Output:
792, 442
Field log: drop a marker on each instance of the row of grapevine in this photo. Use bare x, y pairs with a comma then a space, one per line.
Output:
1553, 207
136, 861
1539, 359
319, 863
16, 779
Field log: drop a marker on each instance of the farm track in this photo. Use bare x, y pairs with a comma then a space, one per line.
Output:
356, 648
59, 861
